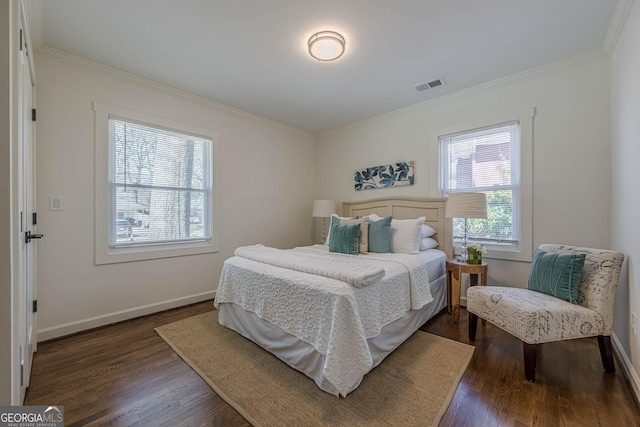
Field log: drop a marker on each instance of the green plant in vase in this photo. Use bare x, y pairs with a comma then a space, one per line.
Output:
474, 253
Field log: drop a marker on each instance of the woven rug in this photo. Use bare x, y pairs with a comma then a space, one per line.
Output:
413, 386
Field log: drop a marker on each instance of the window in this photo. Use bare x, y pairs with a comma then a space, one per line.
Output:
159, 186
489, 159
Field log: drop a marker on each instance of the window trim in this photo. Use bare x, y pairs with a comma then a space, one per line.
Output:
104, 253
524, 251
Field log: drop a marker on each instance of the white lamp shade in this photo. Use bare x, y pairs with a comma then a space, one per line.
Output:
466, 205
323, 208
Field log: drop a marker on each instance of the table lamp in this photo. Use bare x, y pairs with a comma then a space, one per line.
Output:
466, 205
323, 209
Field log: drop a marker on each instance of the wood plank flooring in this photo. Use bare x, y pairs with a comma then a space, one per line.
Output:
125, 375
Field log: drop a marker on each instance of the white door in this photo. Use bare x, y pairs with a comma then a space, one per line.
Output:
26, 196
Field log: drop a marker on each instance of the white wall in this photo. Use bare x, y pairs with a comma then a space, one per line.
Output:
266, 173
625, 156
571, 157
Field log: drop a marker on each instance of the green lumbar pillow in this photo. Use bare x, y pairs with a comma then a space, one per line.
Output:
556, 274
345, 238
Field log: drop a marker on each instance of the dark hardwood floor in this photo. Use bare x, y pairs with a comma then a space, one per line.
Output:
571, 387
125, 375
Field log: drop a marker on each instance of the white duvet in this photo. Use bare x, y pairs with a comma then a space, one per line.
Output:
336, 318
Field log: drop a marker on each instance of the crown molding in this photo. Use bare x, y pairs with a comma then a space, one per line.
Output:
64, 57
574, 61
623, 7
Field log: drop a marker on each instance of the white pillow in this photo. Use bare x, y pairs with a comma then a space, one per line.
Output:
427, 231
427, 243
405, 235
373, 217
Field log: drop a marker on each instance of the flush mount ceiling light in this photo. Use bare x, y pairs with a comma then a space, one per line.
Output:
326, 45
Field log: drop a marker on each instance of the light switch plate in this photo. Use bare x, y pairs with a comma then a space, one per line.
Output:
55, 203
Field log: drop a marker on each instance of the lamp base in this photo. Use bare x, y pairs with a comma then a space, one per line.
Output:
464, 254
324, 231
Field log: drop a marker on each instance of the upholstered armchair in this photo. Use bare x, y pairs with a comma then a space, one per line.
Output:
535, 317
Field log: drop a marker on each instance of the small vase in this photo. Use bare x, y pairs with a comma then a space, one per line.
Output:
474, 256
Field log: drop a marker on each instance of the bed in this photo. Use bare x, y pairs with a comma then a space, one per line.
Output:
332, 331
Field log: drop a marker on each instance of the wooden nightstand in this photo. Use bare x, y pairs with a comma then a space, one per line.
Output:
455, 269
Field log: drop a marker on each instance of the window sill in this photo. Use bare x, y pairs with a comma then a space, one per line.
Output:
113, 256
513, 255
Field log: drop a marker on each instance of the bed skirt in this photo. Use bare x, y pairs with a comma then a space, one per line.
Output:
305, 358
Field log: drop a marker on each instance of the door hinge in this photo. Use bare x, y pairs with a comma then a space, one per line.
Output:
35, 305
33, 114
34, 218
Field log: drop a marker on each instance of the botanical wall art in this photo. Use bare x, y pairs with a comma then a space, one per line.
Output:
390, 175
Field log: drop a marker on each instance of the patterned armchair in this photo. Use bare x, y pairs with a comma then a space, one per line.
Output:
536, 318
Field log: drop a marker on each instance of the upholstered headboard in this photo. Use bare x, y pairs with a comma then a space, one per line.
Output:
432, 208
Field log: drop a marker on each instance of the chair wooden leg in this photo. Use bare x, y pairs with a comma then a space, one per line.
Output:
473, 324
530, 352
606, 354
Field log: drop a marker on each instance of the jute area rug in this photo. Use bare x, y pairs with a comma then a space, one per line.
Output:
413, 386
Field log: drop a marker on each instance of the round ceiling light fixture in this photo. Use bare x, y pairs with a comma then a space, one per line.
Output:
326, 45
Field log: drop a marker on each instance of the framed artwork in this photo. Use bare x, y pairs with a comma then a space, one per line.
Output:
385, 176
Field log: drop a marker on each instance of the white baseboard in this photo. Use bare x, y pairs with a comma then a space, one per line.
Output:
107, 319
627, 367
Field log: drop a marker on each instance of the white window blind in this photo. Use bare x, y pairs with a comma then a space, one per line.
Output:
159, 185
486, 160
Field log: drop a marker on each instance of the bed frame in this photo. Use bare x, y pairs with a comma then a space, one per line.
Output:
433, 208
303, 356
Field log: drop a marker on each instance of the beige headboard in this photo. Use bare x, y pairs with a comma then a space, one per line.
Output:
432, 208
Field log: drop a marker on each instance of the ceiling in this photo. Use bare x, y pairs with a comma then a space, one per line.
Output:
252, 54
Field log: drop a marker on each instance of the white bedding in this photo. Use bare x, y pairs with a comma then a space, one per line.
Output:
334, 317
315, 262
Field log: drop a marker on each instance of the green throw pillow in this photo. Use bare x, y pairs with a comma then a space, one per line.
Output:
556, 274
380, 235
345, 239
335, 219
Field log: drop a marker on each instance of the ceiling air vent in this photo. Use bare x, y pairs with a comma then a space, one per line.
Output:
429, 85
